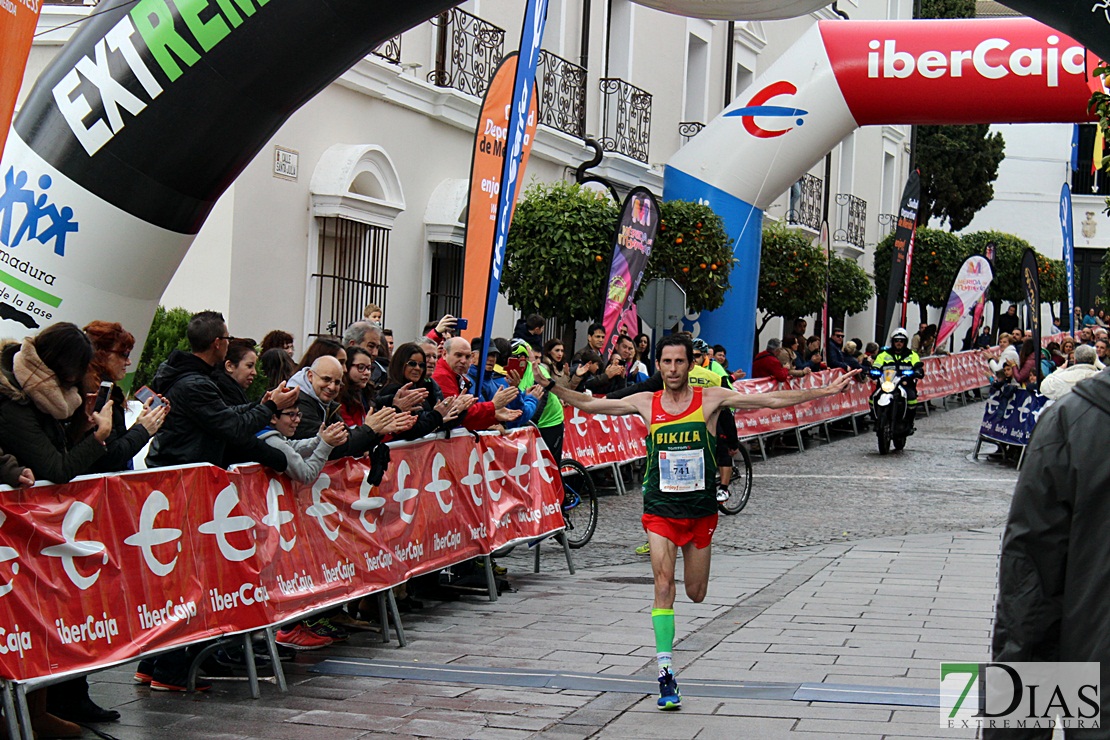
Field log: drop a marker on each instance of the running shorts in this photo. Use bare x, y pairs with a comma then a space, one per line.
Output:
682, 531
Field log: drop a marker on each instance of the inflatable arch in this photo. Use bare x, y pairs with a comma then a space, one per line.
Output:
841, 75
153, 108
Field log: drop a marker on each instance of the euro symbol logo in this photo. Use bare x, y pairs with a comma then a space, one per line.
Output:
222, 524
756, 108
473, 479
404, 494
78, 515
149, 535
6, 554
439, 484
322, 509
365, 503
276, 517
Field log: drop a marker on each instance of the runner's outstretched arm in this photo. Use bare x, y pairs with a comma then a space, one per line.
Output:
776, 399
623, 407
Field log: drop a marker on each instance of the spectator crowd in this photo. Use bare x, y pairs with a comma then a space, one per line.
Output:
227, 400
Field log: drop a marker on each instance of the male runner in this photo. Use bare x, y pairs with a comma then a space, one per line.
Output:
680, 503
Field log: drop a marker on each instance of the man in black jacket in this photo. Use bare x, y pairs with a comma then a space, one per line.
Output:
1054, 569
200, 424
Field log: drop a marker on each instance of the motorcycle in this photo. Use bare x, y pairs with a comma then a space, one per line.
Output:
890, 406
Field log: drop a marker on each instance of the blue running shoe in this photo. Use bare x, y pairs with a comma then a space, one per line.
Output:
669, 696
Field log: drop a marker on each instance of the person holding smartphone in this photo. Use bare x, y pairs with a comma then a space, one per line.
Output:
112, 345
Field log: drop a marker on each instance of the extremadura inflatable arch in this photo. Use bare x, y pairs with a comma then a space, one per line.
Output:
154, 107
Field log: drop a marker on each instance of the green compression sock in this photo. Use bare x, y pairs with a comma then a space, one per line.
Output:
663, 622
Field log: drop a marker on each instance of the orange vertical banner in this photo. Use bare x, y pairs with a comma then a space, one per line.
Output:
17, 29
485, 187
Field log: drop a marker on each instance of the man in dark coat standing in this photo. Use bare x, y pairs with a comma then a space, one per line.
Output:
1054, 570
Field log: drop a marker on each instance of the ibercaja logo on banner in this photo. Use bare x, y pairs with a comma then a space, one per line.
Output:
1020, 696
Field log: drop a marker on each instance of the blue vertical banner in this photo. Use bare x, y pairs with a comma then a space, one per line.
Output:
531, 37
1068, 228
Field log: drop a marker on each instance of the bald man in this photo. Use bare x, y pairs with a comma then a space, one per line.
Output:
319, 386
451, 375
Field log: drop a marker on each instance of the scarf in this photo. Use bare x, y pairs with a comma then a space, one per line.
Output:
41, 384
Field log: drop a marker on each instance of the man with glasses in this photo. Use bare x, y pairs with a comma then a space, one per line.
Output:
367, 335
319, 386
200, 424
836, 356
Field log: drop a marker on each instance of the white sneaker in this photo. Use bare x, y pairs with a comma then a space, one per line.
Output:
722, 495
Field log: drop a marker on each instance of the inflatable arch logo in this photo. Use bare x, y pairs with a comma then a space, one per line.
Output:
757, 108
88, 190
841, 75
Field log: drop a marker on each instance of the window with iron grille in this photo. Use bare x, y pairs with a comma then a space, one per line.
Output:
350, 274
445, 291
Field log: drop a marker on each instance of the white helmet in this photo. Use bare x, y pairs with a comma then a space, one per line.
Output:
899, 333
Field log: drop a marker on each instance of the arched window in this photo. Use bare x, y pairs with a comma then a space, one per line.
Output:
356, 197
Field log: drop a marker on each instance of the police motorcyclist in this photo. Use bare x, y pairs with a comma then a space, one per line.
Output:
900, 354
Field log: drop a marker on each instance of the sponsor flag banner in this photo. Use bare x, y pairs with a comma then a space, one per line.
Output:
485, 189
971, 283
107, 568
980, 307
520, 133
1031, 289
826, 249
1010, 415
17, 29
636, 229
902, 253
1067, 227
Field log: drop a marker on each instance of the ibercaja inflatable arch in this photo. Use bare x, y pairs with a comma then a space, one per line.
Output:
154, 107
841, 75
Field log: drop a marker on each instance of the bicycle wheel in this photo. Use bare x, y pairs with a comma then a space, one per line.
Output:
740, 485
579, 502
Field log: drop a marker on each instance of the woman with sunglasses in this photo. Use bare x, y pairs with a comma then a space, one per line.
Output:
409, 367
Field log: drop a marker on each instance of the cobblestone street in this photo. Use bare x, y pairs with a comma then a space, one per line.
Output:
842, 491
847, 573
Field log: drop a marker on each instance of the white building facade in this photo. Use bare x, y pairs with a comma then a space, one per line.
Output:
361, 195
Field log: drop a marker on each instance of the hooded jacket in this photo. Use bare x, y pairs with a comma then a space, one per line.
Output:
1063, 381
315, 413
36, 438
1054, 568
200, 424
304, 458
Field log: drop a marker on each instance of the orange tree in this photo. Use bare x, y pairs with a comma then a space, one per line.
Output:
937, 255
557, 257
791, 275
692, 249
849, 287
1008, 249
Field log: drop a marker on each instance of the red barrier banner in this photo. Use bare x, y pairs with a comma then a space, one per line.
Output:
596, 439
599, 439
104, 569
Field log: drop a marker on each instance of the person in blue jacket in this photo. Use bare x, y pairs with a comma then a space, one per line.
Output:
495, 379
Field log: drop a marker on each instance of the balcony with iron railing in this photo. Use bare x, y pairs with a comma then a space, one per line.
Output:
851, 220
468, 50
689, 129
805, 202
625, 118
389, 50
888, 222
562, 94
